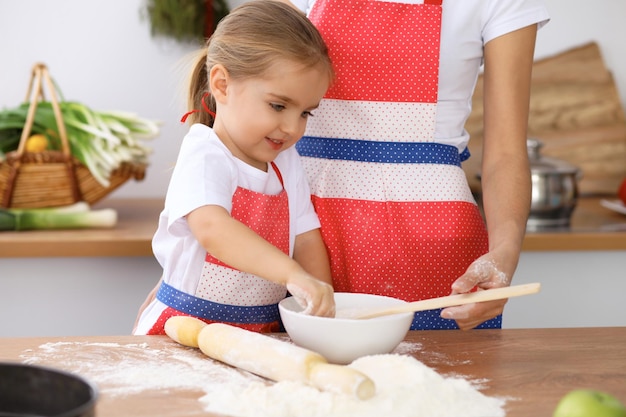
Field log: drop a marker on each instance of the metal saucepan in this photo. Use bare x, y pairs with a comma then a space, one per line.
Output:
554, 189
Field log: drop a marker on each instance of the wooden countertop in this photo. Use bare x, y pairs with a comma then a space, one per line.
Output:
593, 227
131, 236
535, 367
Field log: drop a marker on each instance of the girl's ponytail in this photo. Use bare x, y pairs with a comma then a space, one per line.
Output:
198, 88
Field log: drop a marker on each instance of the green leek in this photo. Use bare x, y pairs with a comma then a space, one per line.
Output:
101, 140
75, 216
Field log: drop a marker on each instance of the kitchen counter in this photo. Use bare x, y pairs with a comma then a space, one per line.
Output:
593, 227
131, 236
533, 368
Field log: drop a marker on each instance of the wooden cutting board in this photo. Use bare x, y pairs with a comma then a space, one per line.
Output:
575, 110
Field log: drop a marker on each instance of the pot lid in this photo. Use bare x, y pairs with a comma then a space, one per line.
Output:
546, 165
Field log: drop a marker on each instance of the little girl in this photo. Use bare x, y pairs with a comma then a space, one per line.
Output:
238, 229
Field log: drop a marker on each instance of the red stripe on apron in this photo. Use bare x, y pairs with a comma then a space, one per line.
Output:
382, 261
395, 69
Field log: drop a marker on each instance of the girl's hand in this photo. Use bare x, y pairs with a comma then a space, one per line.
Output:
315, 296
484, 274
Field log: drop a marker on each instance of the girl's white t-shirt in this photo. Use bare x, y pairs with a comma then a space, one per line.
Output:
467, 25
207, 173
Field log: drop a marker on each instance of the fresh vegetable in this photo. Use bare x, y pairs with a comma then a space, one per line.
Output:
36, 143
101, 140
589, 403
75, 216
621, 192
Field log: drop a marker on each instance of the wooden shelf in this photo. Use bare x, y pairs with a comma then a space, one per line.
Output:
593, 227
132, 235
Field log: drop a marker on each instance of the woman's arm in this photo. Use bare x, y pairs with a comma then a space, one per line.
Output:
237, 245
505, 171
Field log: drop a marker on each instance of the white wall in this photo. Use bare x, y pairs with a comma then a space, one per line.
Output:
92, 296
101, 53
73, 296
578, 289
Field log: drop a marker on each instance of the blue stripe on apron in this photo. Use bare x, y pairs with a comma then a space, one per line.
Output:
431, 320
383, 152
210, 310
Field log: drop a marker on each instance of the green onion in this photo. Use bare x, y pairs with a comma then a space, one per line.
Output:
75, 216
102, 141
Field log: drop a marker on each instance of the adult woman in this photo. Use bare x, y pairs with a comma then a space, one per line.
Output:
383, 154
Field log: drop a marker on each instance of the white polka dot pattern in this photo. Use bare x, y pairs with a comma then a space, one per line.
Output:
268, 216
406, 250
375, 121
236, 287
358, 31
406, 230
330, 178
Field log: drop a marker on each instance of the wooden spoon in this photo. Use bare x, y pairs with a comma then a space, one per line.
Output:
450, 300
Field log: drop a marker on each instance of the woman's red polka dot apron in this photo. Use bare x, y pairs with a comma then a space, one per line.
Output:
398, 217
227, 295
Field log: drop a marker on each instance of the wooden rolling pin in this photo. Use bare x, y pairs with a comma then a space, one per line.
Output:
267, 356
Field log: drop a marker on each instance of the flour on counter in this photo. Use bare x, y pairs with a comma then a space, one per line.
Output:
129, 369
405, 387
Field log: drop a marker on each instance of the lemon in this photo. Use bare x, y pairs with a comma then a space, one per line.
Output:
36, 143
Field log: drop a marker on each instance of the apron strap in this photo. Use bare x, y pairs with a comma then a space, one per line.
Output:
278, 174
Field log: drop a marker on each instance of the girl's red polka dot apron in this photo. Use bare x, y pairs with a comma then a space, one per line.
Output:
227, 295
398, 217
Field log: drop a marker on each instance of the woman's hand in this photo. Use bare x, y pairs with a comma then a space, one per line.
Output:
483, 274
505, 181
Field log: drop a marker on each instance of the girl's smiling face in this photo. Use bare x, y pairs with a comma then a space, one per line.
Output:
257, 118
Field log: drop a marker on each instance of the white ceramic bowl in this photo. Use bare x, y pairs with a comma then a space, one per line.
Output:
342, 340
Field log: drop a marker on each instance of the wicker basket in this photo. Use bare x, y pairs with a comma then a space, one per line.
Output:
52, 178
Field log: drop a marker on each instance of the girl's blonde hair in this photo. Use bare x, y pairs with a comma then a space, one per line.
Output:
248, 41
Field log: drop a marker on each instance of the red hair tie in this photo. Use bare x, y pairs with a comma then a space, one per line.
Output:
204, 106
